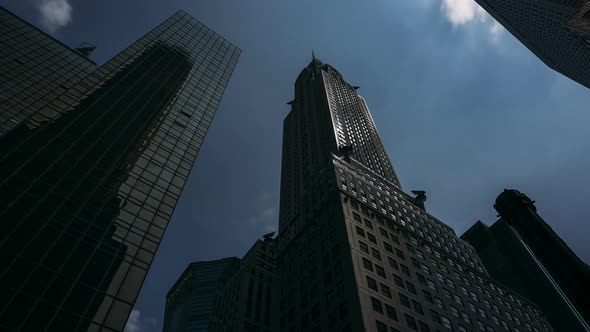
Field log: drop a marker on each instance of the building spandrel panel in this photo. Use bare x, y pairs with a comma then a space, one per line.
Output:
90, 180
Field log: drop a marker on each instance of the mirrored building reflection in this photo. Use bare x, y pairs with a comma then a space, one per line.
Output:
89, 181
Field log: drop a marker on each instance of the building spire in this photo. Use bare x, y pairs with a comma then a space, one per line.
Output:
312, 55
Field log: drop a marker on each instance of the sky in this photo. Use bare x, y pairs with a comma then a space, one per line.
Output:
464, 111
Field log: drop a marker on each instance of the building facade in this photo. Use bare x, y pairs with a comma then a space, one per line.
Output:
355, 252
521, 251
227, 295
250, 301
192, 303
556, 31
90, 178
34, 68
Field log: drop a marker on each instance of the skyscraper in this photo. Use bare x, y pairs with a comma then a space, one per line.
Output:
226, 295
90, 178
34, 68
355, 252
192, 303
522, 252
556, 31
250, 298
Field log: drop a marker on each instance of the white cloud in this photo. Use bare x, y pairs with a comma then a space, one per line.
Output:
464, 12
55, 14
495, 31
139, 323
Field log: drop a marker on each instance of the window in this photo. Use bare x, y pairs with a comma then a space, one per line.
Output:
367, 264
364, 247
496, 320
372, 238
393, 263
482, 313
431, 284
404, 300
428, 296
411, 322
376, 305
385, 290
417, 307
464, 290
439, 303
390, 311
398, 281
388, 247
381, 327
360, 231
457, 299
454, 311
461, 329
411, 288
383, 233
405, 269
440, 277
356, 216
423, 327
435, 316
419, 254
376, 253
380, 271
451, 283
368, 224
446, 322
372, 283
399, 254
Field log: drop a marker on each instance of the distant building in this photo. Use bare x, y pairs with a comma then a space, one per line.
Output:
355, 251
250, 302
227, 295
556, 31
522, 252
92, 163
192, 303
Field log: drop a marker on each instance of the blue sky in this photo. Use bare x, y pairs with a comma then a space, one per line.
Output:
463, 109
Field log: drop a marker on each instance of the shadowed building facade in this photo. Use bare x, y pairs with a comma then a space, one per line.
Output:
34, 68
556, 31
355, 252
192, 303
89, 180
227, 295
521, 251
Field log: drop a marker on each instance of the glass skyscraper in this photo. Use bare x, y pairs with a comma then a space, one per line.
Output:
34, 68
354, 251
192, 303
90, 174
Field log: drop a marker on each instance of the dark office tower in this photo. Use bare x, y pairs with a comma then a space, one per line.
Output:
88, 182
355, 252
250, 299
192, 303
556, 31
34, 68
522, 251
